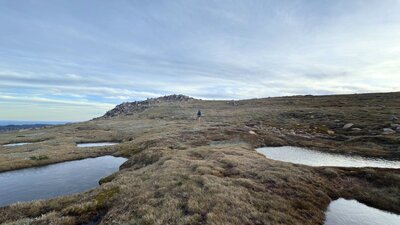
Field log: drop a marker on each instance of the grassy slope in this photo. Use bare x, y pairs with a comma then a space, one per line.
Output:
183, 172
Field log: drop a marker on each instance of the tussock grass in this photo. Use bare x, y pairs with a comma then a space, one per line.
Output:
180, 171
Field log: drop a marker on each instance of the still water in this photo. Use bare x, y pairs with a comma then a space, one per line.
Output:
97, 144
17, 144
316, 158
352, 212
54, 180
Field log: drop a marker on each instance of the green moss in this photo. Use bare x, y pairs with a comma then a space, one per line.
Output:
107, 179
79, 209
105, 196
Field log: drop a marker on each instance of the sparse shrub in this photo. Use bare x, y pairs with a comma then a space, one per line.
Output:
78, 209
203, 170
40, 157
322, 129
141, 160
329, 172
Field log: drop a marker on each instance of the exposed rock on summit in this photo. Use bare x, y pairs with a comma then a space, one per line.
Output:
128, 108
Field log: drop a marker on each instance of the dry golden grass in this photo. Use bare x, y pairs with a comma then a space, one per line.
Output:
184, 172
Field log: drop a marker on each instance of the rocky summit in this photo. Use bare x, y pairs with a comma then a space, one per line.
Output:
129, 108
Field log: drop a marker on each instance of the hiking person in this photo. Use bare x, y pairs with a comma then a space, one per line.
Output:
199, 115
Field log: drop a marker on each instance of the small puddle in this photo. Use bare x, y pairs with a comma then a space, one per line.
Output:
17, 144
352, 212
54, 180
315, 158
96, 144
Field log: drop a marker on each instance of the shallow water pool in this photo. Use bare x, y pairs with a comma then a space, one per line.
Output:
352, 212
17, 144
56, 179
97, 144
315, 158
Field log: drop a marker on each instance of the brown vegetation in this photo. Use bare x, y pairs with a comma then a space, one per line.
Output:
181, 171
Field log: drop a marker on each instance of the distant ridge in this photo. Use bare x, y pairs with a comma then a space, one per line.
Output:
127, 108
21, 127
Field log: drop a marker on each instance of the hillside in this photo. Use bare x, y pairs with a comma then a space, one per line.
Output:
181, 171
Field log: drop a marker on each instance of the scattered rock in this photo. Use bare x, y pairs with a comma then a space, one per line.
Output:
394, 125
393, 118
330, 132
347, 126
388, 131
398, 129
356, 129
252, 132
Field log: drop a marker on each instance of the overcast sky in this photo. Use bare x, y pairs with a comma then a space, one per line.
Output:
73, 60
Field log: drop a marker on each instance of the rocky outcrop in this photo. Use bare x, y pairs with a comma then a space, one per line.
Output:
128, 108
347, 126
388, 131
393, 118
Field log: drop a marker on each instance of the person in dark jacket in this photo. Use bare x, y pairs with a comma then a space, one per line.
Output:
199, 115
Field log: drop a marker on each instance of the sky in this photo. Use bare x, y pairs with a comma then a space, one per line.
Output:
73, 60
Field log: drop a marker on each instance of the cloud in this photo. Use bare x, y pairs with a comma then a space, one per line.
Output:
55, 101
58, 54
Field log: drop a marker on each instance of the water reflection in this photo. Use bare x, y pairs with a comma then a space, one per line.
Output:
54, 180
97, 144
316, 158
17, 144
352, 212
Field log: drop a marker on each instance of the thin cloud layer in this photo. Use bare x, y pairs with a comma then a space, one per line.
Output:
83, 57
